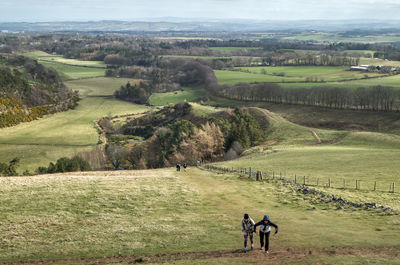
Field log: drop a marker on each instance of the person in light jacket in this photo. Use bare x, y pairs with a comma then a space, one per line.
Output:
265, 230
247, 226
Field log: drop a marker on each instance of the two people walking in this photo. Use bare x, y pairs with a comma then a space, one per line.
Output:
249, 227
178, 167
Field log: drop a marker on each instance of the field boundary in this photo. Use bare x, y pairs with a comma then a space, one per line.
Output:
330, 198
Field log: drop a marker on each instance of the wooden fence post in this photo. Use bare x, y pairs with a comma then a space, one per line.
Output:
329, 182
356, 184
375, 186
250, 172
304, 180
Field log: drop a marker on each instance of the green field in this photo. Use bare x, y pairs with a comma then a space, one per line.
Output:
289, 74
69, 69
342, 156
42, 56
393, 81
369, 53
163, 216
188, 94
141, 213
64, 134
232, 49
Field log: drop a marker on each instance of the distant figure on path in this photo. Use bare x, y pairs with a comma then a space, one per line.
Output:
248, 228
178, 167
265, 229
184, 167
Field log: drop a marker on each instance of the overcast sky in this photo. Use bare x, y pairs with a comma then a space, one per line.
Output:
84, 10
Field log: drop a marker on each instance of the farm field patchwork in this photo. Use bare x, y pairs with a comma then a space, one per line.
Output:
302, 74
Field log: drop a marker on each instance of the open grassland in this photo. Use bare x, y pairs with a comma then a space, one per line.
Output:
69, 69
375, 61
320, 155
71, 72
204, 110
232, 49
142, 213
188, 94
43, 56
63, 134
281, 74
197, 57
364, 53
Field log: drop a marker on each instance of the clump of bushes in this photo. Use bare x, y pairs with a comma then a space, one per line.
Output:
9, 169
65, 164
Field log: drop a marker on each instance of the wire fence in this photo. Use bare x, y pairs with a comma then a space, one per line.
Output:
337, 183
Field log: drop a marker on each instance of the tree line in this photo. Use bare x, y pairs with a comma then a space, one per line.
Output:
377, 98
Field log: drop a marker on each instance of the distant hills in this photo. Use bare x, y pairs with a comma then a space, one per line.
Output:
200, 25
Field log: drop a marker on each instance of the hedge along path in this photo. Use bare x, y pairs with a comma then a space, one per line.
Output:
255, 256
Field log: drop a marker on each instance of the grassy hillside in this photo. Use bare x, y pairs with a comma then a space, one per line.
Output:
320, 155
188, 94
141, 213
69, 69
63, 134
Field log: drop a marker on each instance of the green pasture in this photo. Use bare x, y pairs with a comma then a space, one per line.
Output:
71, 72
369, 53
197, 57
289, 74
204, 110
69, 69
64, 134
375, 61
232, 49
343, 157
188, 94
43, 56
134, 213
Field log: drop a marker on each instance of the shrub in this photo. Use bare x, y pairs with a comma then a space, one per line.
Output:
65, 164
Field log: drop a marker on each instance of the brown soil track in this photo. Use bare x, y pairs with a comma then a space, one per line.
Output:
255, 256
316, 136
266, 112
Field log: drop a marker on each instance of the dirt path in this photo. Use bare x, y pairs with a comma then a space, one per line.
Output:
267, 113
316, 136
255, 256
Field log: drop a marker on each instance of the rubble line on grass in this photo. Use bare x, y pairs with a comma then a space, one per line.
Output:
306, 190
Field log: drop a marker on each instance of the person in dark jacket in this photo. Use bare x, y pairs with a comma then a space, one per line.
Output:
265, 229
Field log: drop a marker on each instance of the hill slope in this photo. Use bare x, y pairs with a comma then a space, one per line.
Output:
127, 215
